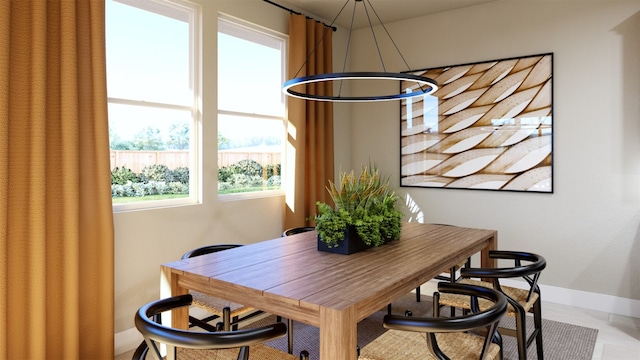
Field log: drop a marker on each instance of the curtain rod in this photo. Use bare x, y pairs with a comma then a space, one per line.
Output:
297, 13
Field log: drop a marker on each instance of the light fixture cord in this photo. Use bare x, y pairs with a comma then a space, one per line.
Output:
346, 52
320, 40
373, 33
390, 38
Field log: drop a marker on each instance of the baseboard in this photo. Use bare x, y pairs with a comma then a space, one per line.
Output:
129, 339
577, 298
587, 300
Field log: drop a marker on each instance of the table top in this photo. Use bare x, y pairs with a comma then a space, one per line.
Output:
288, 276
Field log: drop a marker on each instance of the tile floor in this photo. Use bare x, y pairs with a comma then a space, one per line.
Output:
618, 336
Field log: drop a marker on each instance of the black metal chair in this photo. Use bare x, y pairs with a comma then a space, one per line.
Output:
297, 230
472, 335
227, 345
521, 301
230, 313
450, 275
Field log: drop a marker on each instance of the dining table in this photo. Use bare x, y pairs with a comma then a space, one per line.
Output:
290, 277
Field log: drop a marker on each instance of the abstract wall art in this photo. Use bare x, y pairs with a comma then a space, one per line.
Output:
489, 126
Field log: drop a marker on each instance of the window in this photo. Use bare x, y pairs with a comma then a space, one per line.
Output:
152, 90
251, 110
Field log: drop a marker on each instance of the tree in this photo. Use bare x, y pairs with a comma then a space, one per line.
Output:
116, 143
179, 136
223, 142
148, 139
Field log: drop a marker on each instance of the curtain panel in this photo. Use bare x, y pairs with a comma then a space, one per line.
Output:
310, 130
56, 221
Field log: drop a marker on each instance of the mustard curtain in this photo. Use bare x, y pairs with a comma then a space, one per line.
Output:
56, 222
310, 138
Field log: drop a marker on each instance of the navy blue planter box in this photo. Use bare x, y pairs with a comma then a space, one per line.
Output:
351, 243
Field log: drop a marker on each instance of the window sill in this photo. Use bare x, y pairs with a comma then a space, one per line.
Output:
250, 195
155, 204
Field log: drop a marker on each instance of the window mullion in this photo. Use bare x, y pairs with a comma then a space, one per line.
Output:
150, 104
251, 115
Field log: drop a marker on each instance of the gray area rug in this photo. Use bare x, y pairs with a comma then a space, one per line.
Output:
561, 341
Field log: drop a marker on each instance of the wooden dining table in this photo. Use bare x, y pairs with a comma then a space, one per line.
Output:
288, 276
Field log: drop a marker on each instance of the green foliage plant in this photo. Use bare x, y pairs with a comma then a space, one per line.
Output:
365, 202
248, 167
155, 172
153, 180
122, 175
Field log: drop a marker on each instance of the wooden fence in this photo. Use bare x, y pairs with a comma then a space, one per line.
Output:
137, 160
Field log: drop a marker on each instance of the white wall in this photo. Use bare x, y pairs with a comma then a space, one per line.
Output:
588, 229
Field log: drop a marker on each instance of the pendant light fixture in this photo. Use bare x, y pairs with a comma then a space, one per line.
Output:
419, 85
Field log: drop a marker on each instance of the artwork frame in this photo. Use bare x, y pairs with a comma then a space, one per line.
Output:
489, 126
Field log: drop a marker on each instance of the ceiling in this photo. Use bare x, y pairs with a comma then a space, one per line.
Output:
387, 10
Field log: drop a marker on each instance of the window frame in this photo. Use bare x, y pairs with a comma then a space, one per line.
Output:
252, 32
193, 12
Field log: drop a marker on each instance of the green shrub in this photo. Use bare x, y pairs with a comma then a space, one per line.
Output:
122, 190
247, 175
157, 172
138, 189
155, 188
181, 175
223, 186
274, 181
122, 175
152, 188
224, 174
247, 167
242, 180
178, 188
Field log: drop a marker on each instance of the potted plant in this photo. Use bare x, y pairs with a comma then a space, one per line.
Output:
364, 208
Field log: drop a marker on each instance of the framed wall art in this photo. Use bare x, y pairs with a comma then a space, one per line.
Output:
489, 126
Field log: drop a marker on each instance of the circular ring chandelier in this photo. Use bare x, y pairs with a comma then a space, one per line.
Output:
422, 86
425, 85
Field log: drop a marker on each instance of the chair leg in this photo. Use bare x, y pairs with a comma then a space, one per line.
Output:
537, 320
290, 338
452, 279
521, 333
418, 294
244, 353
389, 309
141, 351
226, 319
304, 355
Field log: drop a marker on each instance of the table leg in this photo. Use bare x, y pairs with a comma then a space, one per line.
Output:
485, 260
169, 287
334, 322
179, 318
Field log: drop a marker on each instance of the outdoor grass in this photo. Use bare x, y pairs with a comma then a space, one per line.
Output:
130, 199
